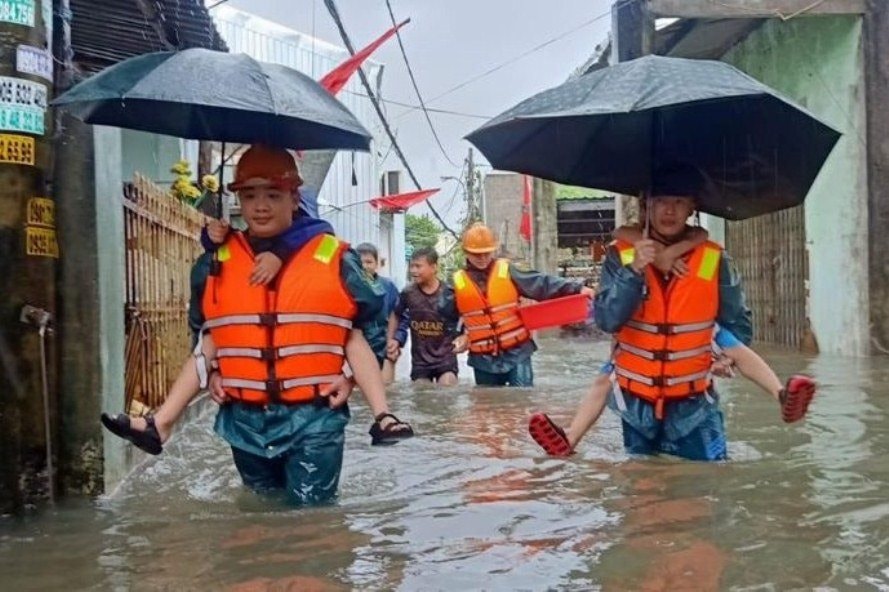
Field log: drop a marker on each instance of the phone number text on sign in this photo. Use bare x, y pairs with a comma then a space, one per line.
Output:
33, 60
41, 212
22, 119
19, 12
16, 149
15, 91
41, 242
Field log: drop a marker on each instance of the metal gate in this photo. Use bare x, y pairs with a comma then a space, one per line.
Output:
161, 244
770, 254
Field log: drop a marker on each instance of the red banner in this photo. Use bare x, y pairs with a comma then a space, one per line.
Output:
336, 79
401, 202
527, 192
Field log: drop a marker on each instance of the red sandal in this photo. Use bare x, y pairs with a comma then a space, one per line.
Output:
796, 396
551, 437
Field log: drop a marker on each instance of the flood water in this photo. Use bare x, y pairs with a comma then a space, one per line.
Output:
473, 504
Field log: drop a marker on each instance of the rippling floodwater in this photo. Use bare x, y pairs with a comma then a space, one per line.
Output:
473, 504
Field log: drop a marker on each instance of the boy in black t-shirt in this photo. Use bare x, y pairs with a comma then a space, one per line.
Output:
434, 340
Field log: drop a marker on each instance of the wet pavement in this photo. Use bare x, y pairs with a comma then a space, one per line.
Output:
473, 504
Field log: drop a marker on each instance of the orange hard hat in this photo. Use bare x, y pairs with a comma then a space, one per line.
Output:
478, 239
263, 165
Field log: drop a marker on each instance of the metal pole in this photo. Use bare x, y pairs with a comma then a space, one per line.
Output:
50, 485
37, 317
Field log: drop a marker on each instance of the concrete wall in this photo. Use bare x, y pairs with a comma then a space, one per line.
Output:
545, 227
91, 306
818, 61
109, 142
151, 155
876, 37
503, 210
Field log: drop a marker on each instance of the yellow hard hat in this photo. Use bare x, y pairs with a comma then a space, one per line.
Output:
478, 239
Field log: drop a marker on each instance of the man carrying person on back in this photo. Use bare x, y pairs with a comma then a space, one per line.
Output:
663, 325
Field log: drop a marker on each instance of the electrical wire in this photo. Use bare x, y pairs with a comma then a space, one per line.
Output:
414, 107
410, 72
335, 15
522, 55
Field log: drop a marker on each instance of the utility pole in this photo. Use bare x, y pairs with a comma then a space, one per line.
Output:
28, 252
632, 36
472, 187
474, 213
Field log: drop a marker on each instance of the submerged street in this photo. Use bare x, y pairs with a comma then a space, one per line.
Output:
472, 502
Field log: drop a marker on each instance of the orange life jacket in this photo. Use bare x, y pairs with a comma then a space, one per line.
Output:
664, 351
492, 321
286, 341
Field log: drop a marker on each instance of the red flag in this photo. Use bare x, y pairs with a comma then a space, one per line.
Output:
527, 191
402, 201
336, 79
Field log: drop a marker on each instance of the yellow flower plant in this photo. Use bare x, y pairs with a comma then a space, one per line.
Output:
210, 183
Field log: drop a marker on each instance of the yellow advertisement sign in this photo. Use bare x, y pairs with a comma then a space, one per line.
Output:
16, 149
41, 242
41, 212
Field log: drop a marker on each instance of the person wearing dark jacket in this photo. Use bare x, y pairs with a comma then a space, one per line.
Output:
485, 296
663, 325
272, 347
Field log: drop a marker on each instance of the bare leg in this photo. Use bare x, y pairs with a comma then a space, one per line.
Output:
388, 372
589, 410
184, 389
367, 374
447, 379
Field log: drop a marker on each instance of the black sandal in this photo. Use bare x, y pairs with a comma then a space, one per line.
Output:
392, 433
148, 440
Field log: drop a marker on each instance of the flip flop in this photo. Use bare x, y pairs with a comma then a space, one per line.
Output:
551, 437
148, 440
391, 434
796, 396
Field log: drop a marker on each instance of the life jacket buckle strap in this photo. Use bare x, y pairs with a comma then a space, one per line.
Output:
268, 319
273, 389
268, 354
660, 355
317, 399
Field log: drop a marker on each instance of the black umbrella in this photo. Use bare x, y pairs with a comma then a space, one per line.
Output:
646, 123
210, 95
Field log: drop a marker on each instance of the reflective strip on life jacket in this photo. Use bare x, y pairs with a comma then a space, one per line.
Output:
665, 355
284, 319
669, 329
661, 381
280, 319
514, 334
245, 319
258, 385
281, 352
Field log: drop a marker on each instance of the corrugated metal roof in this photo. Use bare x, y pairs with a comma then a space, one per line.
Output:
104, 32
686, 38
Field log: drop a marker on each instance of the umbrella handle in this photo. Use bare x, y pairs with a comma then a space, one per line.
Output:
221, 183
646, 230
